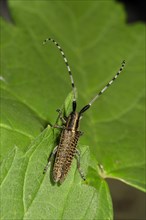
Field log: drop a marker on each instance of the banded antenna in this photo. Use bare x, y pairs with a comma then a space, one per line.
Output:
68, 68
103, 90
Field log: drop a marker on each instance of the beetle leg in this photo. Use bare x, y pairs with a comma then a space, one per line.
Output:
78, 165
58, 126
81, 133
52, 154
60, 116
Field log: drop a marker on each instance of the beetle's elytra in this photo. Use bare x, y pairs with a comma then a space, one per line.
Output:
66, 149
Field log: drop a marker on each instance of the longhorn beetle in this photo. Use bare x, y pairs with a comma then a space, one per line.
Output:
65, 151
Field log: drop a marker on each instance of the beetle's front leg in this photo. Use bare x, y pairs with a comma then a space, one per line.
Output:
60, 116
58, 126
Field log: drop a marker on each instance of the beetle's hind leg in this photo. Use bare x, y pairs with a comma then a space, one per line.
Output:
52, 154
79, 166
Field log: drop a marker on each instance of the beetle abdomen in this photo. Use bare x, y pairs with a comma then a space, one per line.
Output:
65, 154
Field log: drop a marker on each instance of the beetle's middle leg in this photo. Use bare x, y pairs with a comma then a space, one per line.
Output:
78, 165
52, 154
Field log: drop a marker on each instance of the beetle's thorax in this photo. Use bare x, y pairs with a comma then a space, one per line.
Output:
73, 121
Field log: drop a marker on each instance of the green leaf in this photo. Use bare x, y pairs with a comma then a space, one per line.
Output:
35, 82
19, 124
25, 188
